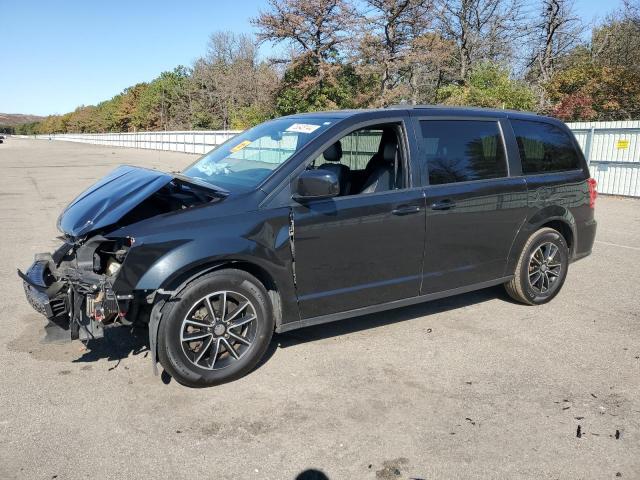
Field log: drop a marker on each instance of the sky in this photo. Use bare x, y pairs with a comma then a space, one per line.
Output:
57, 55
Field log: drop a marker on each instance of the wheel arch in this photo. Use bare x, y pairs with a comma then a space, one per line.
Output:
181, 279
556, 217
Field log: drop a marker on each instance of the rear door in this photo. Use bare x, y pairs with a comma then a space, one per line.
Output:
474, 207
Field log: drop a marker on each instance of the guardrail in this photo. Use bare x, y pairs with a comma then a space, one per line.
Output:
612, 149
198, 142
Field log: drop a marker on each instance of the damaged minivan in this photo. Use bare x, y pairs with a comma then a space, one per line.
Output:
314, 218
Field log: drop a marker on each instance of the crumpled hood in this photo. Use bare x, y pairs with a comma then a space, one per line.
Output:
107, 201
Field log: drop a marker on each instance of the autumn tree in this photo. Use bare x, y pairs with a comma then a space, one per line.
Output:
595, 92
432, 66
315, 31
390, 30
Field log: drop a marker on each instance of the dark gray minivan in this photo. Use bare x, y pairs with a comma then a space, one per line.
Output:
318, 217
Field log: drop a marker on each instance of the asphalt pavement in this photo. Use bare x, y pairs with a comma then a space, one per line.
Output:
473, 386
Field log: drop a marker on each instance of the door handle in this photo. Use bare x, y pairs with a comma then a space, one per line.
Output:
446, 204
406, 210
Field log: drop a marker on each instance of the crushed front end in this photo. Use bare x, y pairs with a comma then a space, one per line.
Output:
73, 286
81, 286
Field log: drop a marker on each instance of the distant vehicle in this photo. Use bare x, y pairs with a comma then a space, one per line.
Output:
1, 138
314, 218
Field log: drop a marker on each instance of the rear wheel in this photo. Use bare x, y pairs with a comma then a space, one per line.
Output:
541, 269
216, 329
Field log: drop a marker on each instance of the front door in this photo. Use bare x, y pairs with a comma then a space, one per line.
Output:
365, 246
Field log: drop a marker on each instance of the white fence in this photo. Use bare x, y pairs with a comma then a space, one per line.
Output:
188, 142
613, 152
611, 148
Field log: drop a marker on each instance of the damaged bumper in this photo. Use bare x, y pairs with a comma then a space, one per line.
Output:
47, 301
71, 297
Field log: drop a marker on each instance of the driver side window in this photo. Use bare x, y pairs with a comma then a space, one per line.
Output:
367, 160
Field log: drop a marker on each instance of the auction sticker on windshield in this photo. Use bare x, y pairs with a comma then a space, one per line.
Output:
240, 146
303, 128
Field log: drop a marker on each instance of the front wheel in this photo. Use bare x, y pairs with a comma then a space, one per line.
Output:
216, 329
541, 269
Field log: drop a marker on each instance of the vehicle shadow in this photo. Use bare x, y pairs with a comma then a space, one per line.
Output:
122, 342
118, 343
373, 320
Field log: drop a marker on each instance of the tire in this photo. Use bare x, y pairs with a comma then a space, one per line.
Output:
526, 286
185, 329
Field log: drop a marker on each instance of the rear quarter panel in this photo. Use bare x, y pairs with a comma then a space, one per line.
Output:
562, 197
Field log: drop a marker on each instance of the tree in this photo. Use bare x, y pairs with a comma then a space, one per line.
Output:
390, 29
231, 85
432, 66
165, 104
490, 86
299, 91
315, 30
362, 53
555, 33
482, 30
616, 42
589, 91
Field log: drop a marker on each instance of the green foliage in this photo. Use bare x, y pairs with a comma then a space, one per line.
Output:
246, 117
490, 85
309, 87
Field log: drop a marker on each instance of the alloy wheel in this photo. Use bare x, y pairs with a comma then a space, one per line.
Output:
544, 268
218, 330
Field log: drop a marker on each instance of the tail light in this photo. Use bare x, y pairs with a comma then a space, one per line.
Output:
593, 192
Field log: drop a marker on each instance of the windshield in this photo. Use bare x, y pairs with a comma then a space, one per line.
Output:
243, 162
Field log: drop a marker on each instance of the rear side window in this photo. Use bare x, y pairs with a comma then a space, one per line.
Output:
462, 150
544, 147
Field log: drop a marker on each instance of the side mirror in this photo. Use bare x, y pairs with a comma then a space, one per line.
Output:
315, 185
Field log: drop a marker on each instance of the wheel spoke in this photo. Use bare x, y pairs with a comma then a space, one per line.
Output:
223, 306
204, 349
242, 321
239, 338
212, 314
534, 281
191, 336
196, 323
236, 312
229, 348
214, 355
